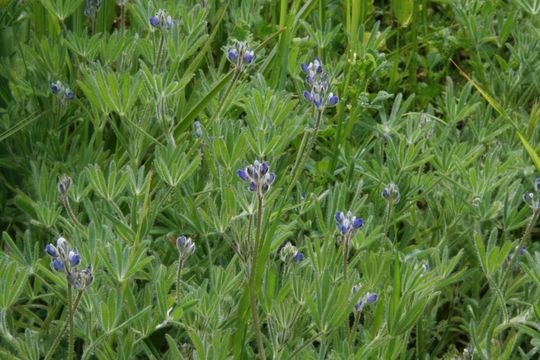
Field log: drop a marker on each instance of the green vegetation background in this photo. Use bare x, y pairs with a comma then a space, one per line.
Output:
438, 97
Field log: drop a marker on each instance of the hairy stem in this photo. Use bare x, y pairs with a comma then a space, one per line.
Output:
521, 243
67, 206
345, 255
160, 48
71, 314
299, 164
388, 216
70, 318
178, 274
252, 276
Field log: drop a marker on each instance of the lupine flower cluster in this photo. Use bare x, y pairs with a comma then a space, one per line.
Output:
529, 197
258, 177
67, 260
63, 186
391, 192
369, 298
198, 129
317, 81
161, 20
185, 246
92, 7
348, 223
289, 251
240, 55
58, 89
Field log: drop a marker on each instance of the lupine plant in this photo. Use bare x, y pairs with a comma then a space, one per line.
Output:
67, 260
123, 124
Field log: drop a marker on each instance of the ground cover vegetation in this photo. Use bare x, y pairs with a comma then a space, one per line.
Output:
273, 179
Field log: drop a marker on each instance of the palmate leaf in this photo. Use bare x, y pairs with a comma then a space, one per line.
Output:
12, 283
61, 8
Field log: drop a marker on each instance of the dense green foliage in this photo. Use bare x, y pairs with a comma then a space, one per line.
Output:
437, 97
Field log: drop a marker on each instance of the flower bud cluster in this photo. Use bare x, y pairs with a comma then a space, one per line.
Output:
161, 20
92, 7
58, 89
185, 246
347, 223
530, 199
290, 252
258, 177
368, 298
67, 260
391, 192
240, 55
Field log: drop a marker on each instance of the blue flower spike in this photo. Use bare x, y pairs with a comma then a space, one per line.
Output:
185, 246
348, 223
240, 55
50, 249
258, 177
298, 257
161, 20
317, 83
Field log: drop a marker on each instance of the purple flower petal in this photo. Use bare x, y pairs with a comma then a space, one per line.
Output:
358, 223
57, 265
154, 21
51, 250
232, 54
332, 100
252, 186
242, 174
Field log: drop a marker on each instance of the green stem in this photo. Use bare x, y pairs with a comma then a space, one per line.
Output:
521, 243
51, 351
299, 164
67, 206
225, 96
252, 277
70, 308
160, 47
388, 216
178, 274
353, 329
345, 255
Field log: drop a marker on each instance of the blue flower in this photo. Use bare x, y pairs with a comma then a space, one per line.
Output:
391, 192
332, 99
316, 80
232, 55
57, 87
74, 258
185, 245
161, 20
154, 21
57, 264
537, 185
69, 94
51, 250
249, 56
298, 257
240, 55
371, 298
